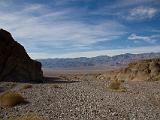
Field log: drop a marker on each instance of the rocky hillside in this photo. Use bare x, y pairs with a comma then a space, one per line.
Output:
100, 61
141, 70
15, 64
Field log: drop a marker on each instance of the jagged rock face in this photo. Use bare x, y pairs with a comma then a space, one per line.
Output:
142, 70
15, 64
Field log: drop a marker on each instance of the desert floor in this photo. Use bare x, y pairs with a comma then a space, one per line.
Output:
58, 99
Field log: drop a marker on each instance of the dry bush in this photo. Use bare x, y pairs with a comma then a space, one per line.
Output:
30, 116
9, 99
122, 89
157, 78
115, 85
122, 81
26, 86
57, 86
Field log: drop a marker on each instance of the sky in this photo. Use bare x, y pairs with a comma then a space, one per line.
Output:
82, 28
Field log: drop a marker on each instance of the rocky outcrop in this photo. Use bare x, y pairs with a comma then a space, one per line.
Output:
142, 70
15, 64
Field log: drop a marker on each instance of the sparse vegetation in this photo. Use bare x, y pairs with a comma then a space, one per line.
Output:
9, 99
157, 78
26, 86
56, 86
122, 81
116, 85
123, 89
32, 116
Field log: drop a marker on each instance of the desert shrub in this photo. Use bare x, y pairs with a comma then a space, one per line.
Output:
56, 86
123, 89
115, 85
109, 78
157, 78
30, 116
122, 81
9, 99
26, 86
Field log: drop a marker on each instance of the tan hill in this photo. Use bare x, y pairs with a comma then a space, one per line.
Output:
15, 64
141, 70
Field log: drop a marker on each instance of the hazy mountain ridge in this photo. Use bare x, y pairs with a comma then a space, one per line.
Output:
95, 61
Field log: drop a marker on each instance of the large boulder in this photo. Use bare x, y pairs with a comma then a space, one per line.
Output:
15, 64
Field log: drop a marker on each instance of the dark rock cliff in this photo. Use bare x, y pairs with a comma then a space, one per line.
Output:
15, 64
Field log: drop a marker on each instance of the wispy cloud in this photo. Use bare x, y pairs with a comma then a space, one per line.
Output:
57, 28
130, 3
140, 13
67, 26
149, 39
133, 10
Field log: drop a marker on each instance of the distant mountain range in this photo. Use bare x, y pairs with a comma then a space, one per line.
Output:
81, 62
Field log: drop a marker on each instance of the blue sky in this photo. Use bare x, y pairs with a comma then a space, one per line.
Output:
76, 28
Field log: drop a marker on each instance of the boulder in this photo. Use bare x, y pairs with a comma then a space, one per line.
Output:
15, 64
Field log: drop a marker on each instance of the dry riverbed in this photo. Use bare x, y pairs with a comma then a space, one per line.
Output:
86, 100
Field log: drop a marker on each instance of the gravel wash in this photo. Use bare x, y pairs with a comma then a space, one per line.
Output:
88, 100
